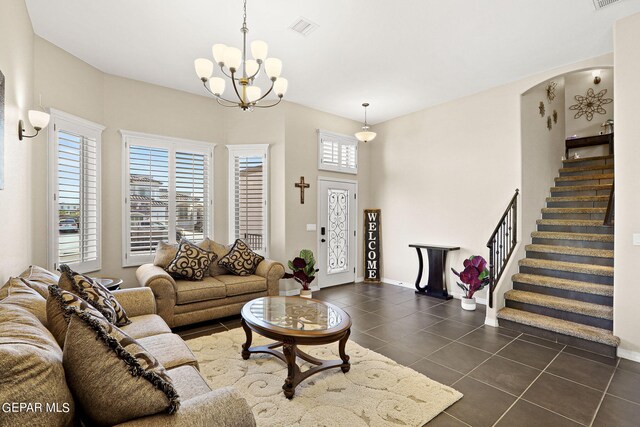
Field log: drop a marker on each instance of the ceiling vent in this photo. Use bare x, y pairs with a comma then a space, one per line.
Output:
303, 26
599, 4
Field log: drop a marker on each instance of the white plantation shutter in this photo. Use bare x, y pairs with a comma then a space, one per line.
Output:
248, 173
75, 226
337, 153
168, 189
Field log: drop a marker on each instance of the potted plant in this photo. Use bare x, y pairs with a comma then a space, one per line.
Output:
303, 271
474, 277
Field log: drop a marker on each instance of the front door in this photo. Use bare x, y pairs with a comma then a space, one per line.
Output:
336, 232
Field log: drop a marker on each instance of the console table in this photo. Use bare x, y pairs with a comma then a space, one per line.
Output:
437, 255
589, 141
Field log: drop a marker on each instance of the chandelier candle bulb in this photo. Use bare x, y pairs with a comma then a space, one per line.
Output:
273, 68
253, 93
251, 67
259, 50
218, 53
233, 58
217, 85
280, 86
204, 68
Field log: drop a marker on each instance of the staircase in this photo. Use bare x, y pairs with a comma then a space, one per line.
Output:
564, 290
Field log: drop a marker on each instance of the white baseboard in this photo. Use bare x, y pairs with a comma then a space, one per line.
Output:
296, 291
481, 301
629, 354
491, 322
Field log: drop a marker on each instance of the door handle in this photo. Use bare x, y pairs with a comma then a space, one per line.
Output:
322, 240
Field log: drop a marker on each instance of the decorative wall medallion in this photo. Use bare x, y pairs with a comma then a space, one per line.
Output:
555, 116
590, 104
549, 124
551, 91
541, 108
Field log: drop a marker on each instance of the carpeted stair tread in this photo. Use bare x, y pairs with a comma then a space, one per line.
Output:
593, 187
562, 304
584, 177
588, 159
596, 270
570, 250
578, 330
558, 235
574, 210
578, 199
586, 168
572, 222
564, 284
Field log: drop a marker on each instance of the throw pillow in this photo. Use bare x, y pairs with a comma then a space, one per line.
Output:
93, 293
22, 295
59, 306
39, 279
241, 260
191, 262
215, 269
112, 376
165, 252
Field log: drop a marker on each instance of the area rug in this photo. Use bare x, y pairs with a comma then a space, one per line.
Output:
375, 392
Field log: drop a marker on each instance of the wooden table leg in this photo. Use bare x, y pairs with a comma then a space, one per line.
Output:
343, 355
290, 383
247, 344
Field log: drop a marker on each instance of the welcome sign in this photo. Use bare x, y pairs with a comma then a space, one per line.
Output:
372, 246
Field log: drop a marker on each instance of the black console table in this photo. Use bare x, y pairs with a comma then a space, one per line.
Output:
437, 255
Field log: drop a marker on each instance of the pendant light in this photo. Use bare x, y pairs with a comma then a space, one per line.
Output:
365, 135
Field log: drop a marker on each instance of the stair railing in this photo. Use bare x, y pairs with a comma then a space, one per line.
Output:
502, 243
610, 215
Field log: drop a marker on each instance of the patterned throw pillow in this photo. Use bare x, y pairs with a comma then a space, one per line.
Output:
191, 262
109, 391
241, 260
60, 305
93, 293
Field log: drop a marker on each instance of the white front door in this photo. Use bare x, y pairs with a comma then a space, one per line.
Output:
336, 232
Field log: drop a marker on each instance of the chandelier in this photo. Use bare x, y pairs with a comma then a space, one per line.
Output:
365, 135
242, 72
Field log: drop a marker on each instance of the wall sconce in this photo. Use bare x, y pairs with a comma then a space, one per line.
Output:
596, 76
38, 119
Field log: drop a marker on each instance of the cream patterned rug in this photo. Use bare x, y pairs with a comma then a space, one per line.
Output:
375, 392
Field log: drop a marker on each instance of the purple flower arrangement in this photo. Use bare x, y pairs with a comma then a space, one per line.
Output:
475, 275
303, 268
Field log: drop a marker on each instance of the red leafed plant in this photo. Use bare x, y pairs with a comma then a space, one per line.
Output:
475, 275
303, 268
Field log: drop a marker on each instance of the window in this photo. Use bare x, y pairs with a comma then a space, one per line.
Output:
337, 153
167, 187
74, 188
248, 206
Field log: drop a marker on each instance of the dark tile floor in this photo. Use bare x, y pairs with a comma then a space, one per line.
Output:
507, 378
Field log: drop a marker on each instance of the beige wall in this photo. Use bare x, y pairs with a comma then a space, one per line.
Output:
627, 196
444, 175
16, 63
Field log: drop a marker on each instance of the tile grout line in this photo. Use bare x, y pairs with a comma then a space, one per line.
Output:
527, 389
604, 394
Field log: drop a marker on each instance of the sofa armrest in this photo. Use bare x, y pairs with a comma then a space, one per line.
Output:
136, 301
273, 272
163, 287
218, 408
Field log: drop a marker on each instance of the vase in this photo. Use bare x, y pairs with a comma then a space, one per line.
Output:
468, 303
305, 293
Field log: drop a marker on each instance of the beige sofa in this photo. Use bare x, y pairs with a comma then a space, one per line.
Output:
182, 302
31, 367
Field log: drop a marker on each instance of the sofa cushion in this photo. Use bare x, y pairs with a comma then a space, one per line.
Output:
31, 369
40, 279
241, 260
221, 251
94, 293
239, 285
113, 378
146, 326
191, 262
166, 252
170, 350
188, 382
206, 289
59, 306
27, 298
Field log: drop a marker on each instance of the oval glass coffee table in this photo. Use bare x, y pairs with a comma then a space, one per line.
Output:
293, 321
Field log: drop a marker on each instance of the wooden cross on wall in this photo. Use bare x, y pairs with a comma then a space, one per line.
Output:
301, 185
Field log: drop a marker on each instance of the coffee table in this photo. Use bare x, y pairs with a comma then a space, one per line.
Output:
293, 321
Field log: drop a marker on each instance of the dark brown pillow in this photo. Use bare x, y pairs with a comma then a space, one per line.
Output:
241, 260
93, 293
113, 377
191, 262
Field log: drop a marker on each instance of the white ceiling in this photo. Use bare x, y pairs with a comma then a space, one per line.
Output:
399, 55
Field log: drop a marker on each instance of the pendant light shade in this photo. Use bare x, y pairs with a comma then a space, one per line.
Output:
365, 135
